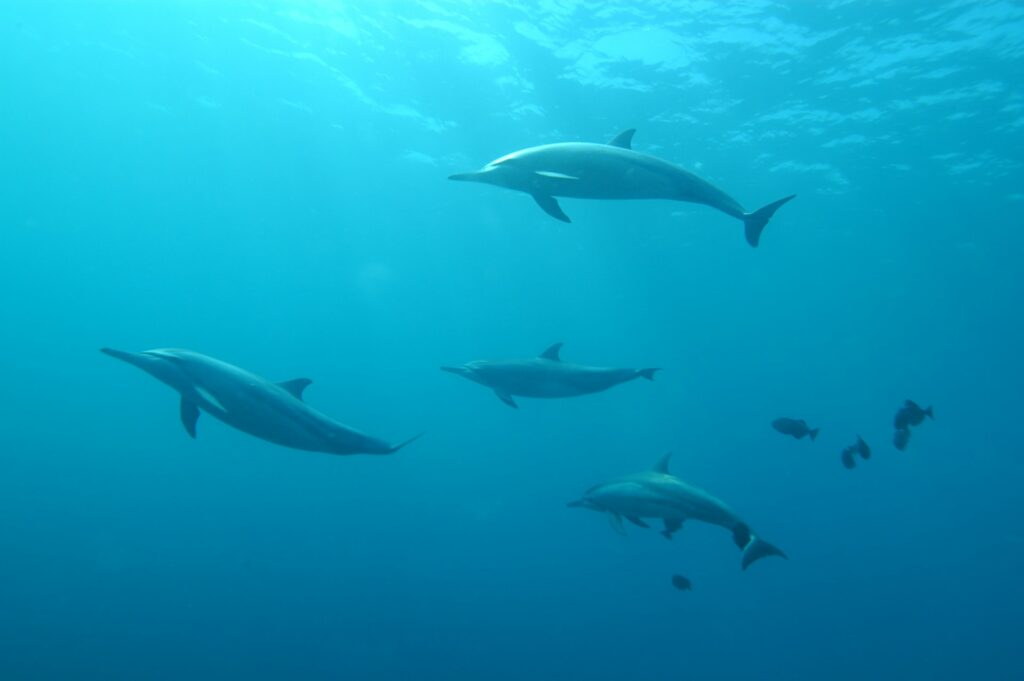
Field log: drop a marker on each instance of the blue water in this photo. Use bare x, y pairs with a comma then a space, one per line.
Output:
265, 182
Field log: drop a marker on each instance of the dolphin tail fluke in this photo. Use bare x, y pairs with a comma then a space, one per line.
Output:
757, 549
813, 432
754, 223
400, 445
648, 373
928, 412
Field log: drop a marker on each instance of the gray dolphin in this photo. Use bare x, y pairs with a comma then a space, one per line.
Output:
585, 170
656, 493
544, 376
271, 411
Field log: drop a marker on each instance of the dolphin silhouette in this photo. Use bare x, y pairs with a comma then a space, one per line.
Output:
544, 376
656, 493
585, 170
270, 411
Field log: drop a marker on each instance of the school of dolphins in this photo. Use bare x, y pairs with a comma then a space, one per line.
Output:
277, 412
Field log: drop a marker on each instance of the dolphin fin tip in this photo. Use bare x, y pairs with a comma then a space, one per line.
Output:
400, 445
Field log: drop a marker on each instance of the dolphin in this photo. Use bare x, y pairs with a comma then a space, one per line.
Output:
656, 493
544, 376
585, 170
270, 411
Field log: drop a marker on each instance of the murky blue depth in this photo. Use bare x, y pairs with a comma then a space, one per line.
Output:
266, 183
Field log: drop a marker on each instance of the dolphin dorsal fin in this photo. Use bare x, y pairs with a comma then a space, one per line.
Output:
624, 139
296, 386
552, 352
662, 465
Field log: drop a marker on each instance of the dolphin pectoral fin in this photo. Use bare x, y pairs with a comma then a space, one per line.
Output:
296, 386
759, 548
189, 416
624, 139
754, 223
506, 398
549, 205
636, 521
671, 527
615, 520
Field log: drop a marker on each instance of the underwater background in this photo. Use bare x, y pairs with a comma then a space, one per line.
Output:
265, 182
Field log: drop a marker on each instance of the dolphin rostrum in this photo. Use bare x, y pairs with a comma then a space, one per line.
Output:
658, 494
270, 411
544, 376
585, 170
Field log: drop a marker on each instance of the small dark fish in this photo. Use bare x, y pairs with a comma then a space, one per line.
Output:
797, 428
681, 583
862, 448
900, 438
847, 458
911, 414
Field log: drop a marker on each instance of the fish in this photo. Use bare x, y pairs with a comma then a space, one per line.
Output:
849, 462
796, 428
911, 414
681, 583
901, 438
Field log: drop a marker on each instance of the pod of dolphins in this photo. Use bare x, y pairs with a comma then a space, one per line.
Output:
278, 413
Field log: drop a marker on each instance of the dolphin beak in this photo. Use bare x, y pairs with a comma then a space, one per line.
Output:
576, 504
466, 177
135, 358
461, 371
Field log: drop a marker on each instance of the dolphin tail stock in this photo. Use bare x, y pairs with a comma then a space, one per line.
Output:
813, 432
400, 445
648, 373
758, 548
754, 223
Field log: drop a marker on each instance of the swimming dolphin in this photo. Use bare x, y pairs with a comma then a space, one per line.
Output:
544, 376
271, 411
656, 493
585, 170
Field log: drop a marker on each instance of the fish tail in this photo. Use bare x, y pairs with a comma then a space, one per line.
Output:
754, 223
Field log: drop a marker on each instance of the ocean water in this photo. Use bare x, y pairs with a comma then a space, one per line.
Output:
265, 182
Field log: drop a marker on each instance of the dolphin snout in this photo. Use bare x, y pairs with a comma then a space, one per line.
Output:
132, 357
455, 370
577, 503
465, 177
